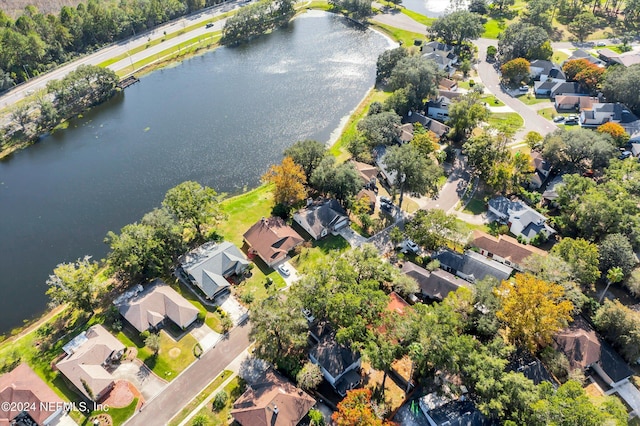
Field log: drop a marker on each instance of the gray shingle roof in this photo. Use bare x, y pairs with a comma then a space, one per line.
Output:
333, 357
473, 264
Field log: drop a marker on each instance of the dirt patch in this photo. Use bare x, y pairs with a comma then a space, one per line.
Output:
121, 395
101, 419
174, 352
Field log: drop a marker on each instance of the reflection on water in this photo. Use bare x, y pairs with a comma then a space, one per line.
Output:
434, 8
220, 118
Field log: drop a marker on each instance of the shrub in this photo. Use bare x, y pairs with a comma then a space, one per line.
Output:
220, 400
247, 298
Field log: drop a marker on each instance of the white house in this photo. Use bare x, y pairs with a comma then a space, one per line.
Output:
321, 218
439, 108
338, 364
601, 113
544, 70
442, 55
523, 221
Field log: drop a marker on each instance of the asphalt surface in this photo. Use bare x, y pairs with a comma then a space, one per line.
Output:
190, 383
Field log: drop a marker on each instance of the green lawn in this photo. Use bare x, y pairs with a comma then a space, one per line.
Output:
491, 100
172, 358
425, 20
510, 120
559, 57
118, 415
529, 99
406, 37
475, 207
234, 389
551, 112
201, 397
493, 27
321, 252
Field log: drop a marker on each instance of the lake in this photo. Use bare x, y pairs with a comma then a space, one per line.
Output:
220, 118
434, 8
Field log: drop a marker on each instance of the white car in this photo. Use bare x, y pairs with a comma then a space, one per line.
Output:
284, 270
307, 315
601, 44
408, 245
524, 88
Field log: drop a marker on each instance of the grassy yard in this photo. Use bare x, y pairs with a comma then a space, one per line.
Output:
201, 397
492, 100
234, 389
118, 415
350, 131
493, 27
475, 207
510, 120
394, 395
320, 253
425, 20
559, 57
213, 318
172, 358
406, 37
530, 99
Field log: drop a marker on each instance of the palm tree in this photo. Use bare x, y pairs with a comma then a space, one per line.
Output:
614, 276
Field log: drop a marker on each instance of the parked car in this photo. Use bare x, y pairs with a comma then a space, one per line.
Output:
307, 315
524, 88
209, 25
624, 155
558, 118
385, 200
408, 245
572, 119
601, 44
284, 270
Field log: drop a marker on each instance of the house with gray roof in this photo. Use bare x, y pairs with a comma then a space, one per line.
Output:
435, 285
149, 308
435, 126
439, 108
321, 218
583, 54
471, 266
601, 113
523, 221
442, 54
209, 266
338, 363
542, 70
441, 410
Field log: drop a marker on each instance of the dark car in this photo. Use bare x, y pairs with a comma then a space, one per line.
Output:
209, 25
624, 155
385, 200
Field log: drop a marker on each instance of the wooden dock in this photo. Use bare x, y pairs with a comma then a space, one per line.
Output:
126, 82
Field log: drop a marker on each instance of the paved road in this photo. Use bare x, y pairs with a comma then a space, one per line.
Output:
123, 47
195, 378
491, 80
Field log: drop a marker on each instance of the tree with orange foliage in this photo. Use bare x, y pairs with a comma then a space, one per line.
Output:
616, 131
289, 179
584, 72
532, 311
572, 68
355, 410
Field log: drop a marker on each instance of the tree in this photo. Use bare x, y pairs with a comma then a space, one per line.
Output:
359, 9
307, 154
484, 151
532, 310
457, 27
418, 75
152, 341
523, 40
380, 129
578, 149
355, 410
193, 205
387, 61
289, 180
582, 256
492, 51
426, 142
280, 332
21, 113
73, 283
220, 400
342, 180
616, 252
515, 70
621, 326
465, 113
583, 25
539, 13
574, 67
398, 102
623, 85
381, 351
616, 131
413, 172
614, 276
309, 376
432, 228
200, 420
478, 6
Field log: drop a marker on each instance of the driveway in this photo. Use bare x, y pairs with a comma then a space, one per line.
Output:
397, 19
232, 307
141, 377
630, 394
205, 336
452, 191
353, 238
293, 273
191, 381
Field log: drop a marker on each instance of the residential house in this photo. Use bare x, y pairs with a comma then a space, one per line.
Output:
435, 285
209, 266
405, 133
271, 239
601, 113
523, 221
635, 149
149, 308
451, 95
541, 170
440, 410
439, 108
428, 123
504, 249
442, 55
625, 59
389, 176
370, 196
588, 352
338, 363
448, 84
521, 361
367, 172
321, 218
583, 54
567, 88
567, 103
472, 266
272, 401
88, 357
543, 70
551, 193
27, 400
